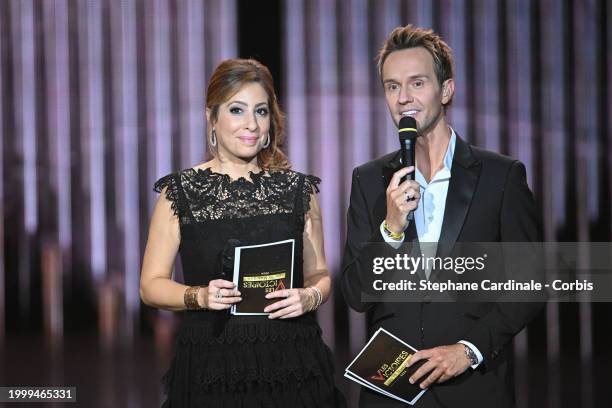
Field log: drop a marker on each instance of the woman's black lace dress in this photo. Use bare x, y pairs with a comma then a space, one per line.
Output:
243, 361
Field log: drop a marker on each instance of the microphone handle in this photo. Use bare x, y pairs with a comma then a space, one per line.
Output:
407, 152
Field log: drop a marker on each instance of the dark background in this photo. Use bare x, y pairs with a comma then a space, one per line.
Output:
98, 99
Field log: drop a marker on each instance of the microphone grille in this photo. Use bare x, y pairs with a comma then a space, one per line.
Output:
407, 127
407, 122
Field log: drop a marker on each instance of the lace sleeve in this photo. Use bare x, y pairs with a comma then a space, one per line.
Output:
169, 183
310, 186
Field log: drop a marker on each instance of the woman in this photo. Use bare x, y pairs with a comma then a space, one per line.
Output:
245, 193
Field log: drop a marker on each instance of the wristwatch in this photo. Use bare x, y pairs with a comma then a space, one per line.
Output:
470, 355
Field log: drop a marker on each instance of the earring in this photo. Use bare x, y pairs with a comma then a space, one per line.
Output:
213, 138
267, 143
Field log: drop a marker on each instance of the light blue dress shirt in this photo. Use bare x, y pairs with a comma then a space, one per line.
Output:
429, 213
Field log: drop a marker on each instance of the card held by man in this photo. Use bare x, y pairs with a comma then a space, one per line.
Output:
381, 366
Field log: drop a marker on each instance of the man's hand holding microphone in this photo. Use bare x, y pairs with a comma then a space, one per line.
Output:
403, 192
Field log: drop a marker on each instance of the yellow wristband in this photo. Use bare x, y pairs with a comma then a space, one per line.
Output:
397, 236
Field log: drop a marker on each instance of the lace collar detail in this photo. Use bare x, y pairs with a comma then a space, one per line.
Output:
213, 196
206, 195
213, 176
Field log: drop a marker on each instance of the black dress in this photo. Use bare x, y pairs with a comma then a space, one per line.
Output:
243, 361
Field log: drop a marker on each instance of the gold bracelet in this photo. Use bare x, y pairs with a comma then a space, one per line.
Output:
310, 301
319, 297
316, 298
191, 298
397, 236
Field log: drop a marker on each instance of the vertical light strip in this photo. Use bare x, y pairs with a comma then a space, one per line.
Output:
360, 62
228, 32
24, 110
458, 111
125, 93
392, 18
55, 24
517, 17
520, 76
358, 133
486, 66
213, 8
27, 97
161, 114
587, 114
295, 47
424, 13
554, 133
388, 136
159, 111
587, 189
191, 81
328, 145
3, 305
608, 64
152, 166
90, 42
553, 126
553, 148
58, 88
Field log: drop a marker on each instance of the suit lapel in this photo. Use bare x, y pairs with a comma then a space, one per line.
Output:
462, 185
391, 167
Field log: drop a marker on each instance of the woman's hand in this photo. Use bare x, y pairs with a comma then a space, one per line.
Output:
219, 295
295, 303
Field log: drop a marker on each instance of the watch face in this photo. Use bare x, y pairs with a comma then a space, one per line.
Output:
471, 355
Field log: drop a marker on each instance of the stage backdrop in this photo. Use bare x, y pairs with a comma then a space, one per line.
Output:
100, 98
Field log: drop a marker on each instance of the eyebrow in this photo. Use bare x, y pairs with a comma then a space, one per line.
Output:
412, 77
246, 104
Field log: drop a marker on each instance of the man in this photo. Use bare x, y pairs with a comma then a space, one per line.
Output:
460, 194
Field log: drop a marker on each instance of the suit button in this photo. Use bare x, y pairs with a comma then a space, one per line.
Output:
427, 299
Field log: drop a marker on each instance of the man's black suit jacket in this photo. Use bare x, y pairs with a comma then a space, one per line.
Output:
488, 200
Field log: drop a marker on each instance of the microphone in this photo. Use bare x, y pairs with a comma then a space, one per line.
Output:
226, 271
227, 258
407, 137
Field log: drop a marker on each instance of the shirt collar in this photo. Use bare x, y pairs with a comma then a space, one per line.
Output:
445, 172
